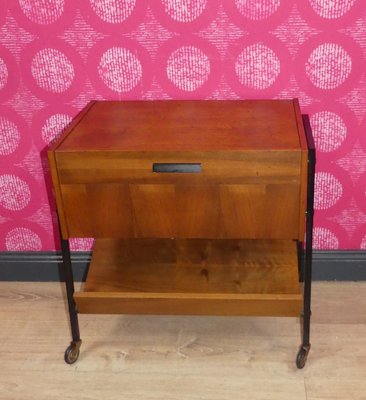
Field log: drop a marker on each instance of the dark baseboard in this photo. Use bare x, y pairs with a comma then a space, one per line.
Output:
45, 266
339, 265
41, 266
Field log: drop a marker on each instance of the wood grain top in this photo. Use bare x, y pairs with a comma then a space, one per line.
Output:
185, 126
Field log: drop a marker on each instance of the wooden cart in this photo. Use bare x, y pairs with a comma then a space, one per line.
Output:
197, 207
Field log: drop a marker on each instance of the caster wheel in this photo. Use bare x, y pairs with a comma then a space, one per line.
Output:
71, 354
301, 357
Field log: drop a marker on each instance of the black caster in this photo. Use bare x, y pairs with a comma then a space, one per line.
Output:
72, 352
302, 356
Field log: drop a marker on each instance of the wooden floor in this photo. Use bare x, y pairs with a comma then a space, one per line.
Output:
156, 357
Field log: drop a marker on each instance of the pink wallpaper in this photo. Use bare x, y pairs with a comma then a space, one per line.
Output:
56, 55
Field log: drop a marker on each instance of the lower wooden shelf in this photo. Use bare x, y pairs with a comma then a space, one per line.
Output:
192, 276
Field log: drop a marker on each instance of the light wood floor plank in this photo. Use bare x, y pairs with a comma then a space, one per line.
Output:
163, 357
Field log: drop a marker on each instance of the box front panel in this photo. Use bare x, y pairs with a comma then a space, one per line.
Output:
219, 167
182, 211
189, 195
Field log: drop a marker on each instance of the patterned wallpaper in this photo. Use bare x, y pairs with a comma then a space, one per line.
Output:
56, 55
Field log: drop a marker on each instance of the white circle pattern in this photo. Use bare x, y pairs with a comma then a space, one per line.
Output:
53, 126
9, 137
329, 130
133, 49
328, 66
257, 66
188, 68
20, 239
14, 192
184, 10
323, 238
113, 11
81, 243
328, 190
257, 10
3, 74
331, 9
42, 12
120, 69
52, 70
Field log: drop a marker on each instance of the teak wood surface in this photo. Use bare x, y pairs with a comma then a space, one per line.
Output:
177, 126
219, 241
202, 277
253, 157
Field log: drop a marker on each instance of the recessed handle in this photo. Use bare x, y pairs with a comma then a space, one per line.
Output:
189, 168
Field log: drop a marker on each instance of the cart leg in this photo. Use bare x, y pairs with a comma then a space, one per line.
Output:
300, 261
72, 352
305, 346
303, 352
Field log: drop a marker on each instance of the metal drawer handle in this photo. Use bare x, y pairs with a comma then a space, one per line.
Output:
190, 168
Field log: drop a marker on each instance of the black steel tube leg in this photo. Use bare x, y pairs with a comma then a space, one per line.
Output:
69, 281
300, 261
305, 347
72, 352
307, 285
